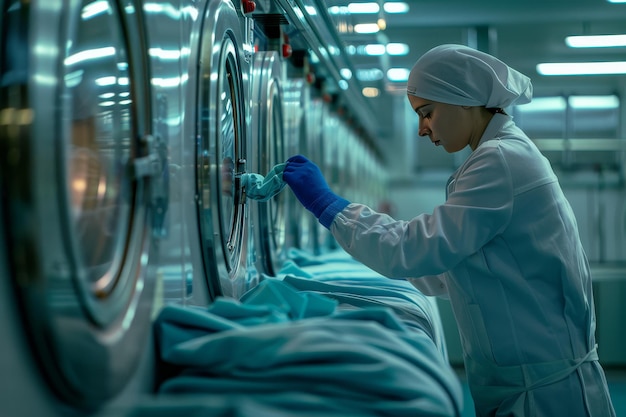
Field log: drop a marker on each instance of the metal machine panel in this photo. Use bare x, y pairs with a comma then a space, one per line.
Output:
79, 177
272, 237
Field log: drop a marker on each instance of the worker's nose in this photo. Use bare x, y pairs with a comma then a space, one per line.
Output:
423, 128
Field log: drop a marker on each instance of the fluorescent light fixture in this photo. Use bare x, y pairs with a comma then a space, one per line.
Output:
378, 49
370, 92
397, 49
337, 10
598, 41
617, 1
363, 8
543, 104
366, 28
374, 49
582, 68
594, 102
398, 74
396, 7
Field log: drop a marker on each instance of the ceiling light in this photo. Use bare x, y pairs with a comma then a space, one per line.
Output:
337, 10
598, 41
397, 49
366, 28
396, 7
374, 49
363, 8
594, 102
378, 49
370, 92
617, 1
582, 68
398, 74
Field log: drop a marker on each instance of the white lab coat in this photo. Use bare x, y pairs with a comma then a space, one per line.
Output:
506, 250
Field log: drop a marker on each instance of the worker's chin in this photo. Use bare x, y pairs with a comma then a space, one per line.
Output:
449, 149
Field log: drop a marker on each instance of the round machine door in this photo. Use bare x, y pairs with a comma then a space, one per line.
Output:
77, 172
271, 235
221, 151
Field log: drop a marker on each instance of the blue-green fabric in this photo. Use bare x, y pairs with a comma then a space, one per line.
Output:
339, 276
297, 353
263, 188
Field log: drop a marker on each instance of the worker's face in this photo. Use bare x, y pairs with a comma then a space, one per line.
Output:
445, 124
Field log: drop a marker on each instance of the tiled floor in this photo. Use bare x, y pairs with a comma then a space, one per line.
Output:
617, 386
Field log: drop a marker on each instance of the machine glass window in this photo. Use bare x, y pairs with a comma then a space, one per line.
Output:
98, 112
228, 135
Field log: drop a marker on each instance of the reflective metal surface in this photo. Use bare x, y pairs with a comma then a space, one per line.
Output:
303, 127
74, 132
222, 152
272, 237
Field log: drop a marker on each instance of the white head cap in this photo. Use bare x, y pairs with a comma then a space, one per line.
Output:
462, 76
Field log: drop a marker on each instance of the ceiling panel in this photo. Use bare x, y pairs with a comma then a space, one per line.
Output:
522, 33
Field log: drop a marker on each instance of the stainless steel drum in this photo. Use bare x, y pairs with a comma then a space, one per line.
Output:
271, 236
221, 152
80, 173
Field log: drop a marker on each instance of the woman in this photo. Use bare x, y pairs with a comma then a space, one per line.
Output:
504, 247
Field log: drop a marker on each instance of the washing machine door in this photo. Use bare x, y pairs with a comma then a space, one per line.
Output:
77, 172
222, 151
271, 236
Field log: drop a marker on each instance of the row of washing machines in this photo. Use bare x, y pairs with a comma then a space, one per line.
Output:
125, 127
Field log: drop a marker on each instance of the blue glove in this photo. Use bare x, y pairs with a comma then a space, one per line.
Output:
310, 187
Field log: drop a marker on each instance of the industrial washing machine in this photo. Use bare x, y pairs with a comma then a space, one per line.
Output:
81, 179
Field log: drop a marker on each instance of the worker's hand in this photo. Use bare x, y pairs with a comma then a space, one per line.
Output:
311, 189
308, 184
